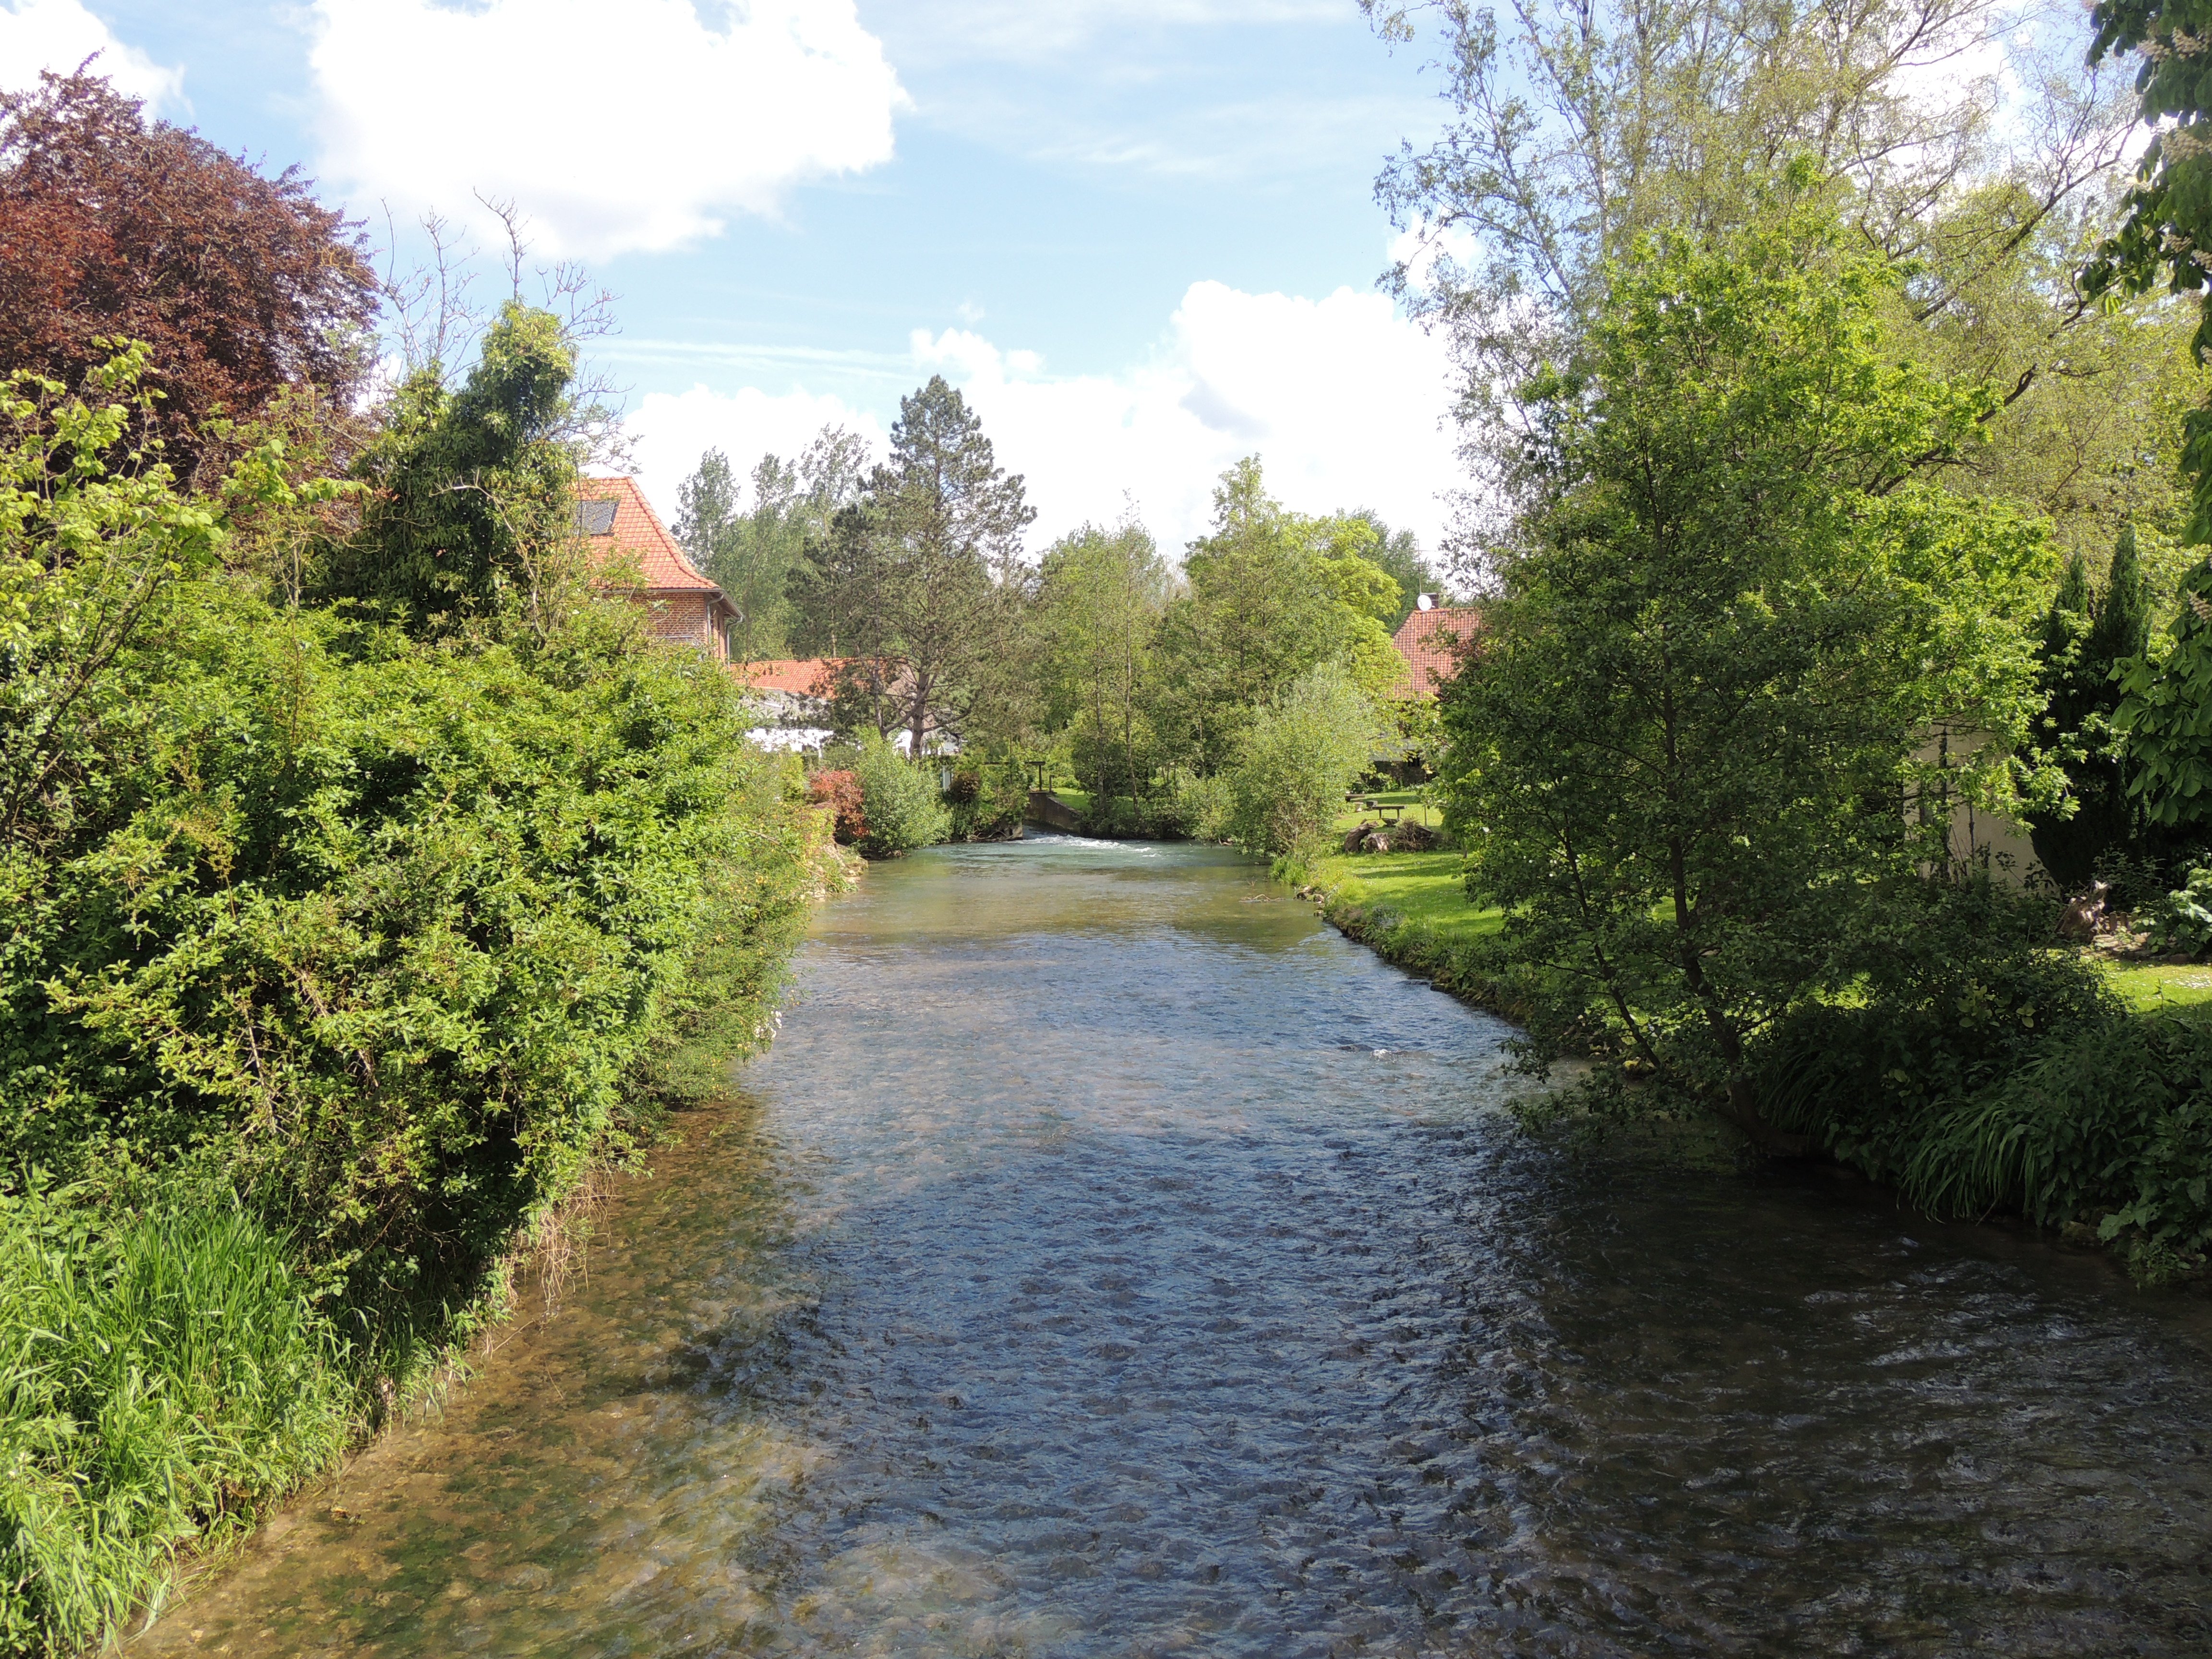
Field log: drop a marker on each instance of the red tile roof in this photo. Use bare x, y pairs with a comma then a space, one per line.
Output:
639, 533
1432, 642
807, 676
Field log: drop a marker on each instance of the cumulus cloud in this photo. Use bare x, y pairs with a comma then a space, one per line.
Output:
671, 430
1343, 400
635, 127
59, 34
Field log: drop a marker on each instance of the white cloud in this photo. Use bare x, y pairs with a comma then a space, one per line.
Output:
59, 34
1342, 399
673, 430
612, 128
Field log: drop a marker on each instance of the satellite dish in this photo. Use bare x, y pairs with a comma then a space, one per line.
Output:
1426, 602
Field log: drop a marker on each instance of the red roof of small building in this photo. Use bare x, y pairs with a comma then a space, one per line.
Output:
638, 533
806, 676
1434, 643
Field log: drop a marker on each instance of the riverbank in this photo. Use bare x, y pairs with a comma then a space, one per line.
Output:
181, 1355
2100, 1137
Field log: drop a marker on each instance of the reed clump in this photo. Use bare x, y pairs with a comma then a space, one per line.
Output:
163, 1375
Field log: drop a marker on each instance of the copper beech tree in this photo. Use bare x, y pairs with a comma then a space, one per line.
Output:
113, 225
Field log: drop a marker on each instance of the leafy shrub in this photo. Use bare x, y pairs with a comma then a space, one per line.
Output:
2182, 918
1959, 984
158, 1383
841, 791
1296, 761
401, 935
1194, 808
899, 802
986, 804
2113, 1120
1975, 1069
391, 933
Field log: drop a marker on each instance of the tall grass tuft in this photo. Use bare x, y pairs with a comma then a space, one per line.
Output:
161, 1377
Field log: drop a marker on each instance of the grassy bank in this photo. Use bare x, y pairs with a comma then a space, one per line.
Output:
1411, 909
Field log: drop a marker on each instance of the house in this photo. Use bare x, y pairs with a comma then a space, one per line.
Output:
1432, 639
619, 526
793, 695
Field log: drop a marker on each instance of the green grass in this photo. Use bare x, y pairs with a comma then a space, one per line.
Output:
2147, 987
1425, 888
158, 1383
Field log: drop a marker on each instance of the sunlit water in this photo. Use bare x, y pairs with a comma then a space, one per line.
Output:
1110, 1260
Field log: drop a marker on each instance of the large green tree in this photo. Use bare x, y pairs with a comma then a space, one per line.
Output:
1576, 129
1711, 672
758, 549
2169, 212
919, 586
1100, 597
1270, 595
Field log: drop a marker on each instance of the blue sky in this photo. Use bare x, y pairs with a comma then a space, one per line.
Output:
1140, 234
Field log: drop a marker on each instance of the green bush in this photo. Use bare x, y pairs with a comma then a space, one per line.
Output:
159, 1381
985, 804
2182, 918
900, 801
2114, 1122
405, 935
1974, 1068
1297, 759
1195, 808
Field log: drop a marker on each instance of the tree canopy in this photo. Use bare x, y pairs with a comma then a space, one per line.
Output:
1689, 756
113, 226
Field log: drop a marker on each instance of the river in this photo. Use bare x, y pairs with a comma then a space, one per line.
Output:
1110, 1260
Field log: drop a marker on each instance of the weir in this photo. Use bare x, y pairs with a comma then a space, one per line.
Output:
1047, 808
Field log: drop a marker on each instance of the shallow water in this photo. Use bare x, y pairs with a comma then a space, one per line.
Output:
1110, 1260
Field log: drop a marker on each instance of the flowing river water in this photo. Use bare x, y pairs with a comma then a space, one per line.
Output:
1110, 1260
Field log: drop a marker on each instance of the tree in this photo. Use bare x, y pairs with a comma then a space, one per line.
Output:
1577, 129
2086, 636
1100, 597
472, 492
925, 576
749, 553
2165, 715
2169, 211
241, 287
1687, 764
1397, 554
1271, 595
1296, 759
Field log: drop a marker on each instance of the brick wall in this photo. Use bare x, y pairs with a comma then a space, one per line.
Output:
688, 618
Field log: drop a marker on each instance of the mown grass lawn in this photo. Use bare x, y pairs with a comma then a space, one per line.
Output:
2147, 987
1428, 887
1423, 887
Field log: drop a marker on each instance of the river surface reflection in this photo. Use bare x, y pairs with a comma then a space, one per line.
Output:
1110, 1260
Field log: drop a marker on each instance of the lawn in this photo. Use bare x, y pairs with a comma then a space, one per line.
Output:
1427, 887
1422, 887
2146, 986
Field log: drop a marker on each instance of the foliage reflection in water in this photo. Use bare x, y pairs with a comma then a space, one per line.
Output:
1109, 1260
